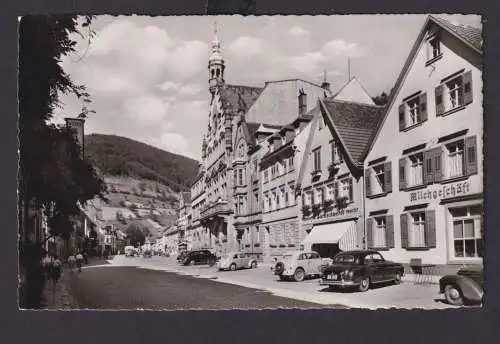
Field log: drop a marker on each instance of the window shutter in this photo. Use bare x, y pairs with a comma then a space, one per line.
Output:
404, 230
467, 87
402, 117
402, 174
351, 193
470, 155
439, 100
423, 107
428, 167
388, 177
430, 228
367, 182
369, 232
389, 231
336, 190
438, 169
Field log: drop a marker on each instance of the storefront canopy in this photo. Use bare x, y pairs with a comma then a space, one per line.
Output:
329, 233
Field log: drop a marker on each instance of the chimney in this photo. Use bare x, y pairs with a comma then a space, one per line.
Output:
302, 102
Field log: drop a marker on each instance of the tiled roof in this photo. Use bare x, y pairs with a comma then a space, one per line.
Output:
356, 124
236, 97
471, 35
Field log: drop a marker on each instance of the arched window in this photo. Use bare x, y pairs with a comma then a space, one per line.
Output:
241, 148
213, 72
218, 72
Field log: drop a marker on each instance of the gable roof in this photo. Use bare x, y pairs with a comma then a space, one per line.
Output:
355, 125
354, 91
238, 97
469, 35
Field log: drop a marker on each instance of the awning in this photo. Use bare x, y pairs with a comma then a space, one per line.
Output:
329, 233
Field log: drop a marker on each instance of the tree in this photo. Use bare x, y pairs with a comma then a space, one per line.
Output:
135, 234
381, 99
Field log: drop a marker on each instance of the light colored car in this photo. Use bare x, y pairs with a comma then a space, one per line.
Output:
298, 265
236, 260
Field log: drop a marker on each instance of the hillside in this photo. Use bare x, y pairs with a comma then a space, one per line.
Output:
120, 156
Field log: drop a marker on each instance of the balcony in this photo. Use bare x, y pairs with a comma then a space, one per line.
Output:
215, 209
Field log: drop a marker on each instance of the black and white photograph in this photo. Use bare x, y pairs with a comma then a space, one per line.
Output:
225, 162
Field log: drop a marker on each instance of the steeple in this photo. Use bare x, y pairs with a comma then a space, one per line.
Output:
215, 64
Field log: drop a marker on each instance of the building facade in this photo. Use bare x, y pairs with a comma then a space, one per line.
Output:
432, 137
331, 175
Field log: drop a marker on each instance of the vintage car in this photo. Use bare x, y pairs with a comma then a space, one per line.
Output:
236, 260
147, 254
199, 257
181, 256
466, 287
298, 265
360, 269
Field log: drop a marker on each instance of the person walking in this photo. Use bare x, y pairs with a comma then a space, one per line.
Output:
79, 261
47, 266
71, 262
56, 270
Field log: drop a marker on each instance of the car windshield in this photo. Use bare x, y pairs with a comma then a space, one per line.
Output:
346, 258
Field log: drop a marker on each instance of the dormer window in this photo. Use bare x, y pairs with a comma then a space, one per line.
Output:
433, 49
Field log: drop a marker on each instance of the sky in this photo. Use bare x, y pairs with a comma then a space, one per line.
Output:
148, 78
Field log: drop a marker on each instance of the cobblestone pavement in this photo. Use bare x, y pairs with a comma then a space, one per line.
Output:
406, 295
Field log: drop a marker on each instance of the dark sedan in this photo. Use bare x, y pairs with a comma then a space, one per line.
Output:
360, 269
199, 257
466, 287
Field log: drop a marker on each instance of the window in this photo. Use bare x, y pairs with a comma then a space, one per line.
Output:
433, 48
455, 159
330, 192
283, 196
240, 176
308, 198
286, 193
379, 236
467, 232
266, 175
317, 159
454, 93
413, 111
267, 204
416, 175
416, 235
318, 196
336, 156
273, 200
378, 179
284, 166
290, 164
345, 189
291, 194
256, 200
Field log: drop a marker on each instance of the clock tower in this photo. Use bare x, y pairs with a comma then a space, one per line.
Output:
215, 65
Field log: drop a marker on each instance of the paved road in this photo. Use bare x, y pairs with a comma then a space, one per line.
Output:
132, 288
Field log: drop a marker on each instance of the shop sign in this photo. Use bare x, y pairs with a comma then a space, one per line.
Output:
441, 191
341, 212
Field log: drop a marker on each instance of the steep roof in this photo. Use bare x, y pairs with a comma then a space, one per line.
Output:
238, 97
355, 123
468, 34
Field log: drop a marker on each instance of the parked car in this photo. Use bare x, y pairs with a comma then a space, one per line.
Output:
200, 257
361, 269
236, 260
147, 254
298, 265
466, 287
181, 256
130, 251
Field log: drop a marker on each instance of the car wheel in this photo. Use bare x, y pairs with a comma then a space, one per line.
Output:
299, 275
453, 295
397, 278
232, 267
364, 285
253, 265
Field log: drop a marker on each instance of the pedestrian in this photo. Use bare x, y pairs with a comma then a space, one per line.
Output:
56, 270
99, 253
71, 262
84, 254
47, 266
79, 261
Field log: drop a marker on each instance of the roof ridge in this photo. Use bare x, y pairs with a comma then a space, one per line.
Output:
234, 85
292, 79
332, 99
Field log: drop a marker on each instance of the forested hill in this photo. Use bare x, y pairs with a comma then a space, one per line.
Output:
120, 156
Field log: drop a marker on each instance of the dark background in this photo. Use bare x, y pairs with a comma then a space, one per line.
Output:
277, 326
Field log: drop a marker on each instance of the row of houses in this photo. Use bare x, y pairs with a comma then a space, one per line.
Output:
294, 165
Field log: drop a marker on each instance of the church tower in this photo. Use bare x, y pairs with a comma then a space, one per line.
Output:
215, 65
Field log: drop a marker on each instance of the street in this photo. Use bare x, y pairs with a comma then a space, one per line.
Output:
160, 283
132, 288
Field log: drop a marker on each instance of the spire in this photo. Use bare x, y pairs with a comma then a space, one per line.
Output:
215, 63
215, 45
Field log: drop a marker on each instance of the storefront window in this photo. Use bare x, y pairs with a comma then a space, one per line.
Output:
467, 232
416, 233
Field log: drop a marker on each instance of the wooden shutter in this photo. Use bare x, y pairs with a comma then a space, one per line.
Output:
430, 228
438, 164
351, 191
402, 117
423, 107
369, 232
336, 190
428, 167
403, 219
470, 155
439, 100
389, 231
388, 177
467, 87
402, 174
367, 182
